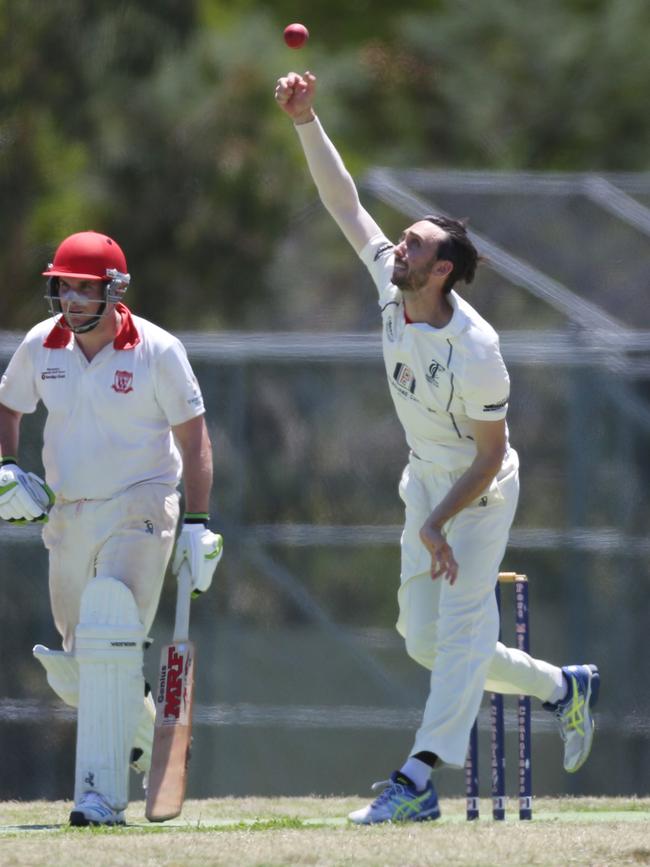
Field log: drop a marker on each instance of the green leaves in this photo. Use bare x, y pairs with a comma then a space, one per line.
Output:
155, 123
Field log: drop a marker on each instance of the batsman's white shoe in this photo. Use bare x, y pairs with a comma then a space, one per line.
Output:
92, 809
399, 802
574, 714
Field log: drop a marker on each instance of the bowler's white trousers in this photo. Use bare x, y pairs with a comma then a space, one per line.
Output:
129, 537
453, 630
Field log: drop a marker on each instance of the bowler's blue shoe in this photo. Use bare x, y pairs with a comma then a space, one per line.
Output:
573, 713
399, 802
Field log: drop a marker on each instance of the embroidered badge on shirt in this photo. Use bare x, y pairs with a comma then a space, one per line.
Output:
123, 382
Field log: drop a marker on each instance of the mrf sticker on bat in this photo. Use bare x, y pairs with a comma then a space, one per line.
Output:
174, 681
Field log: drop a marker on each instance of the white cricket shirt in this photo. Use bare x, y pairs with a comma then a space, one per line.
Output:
439, 378
108, 420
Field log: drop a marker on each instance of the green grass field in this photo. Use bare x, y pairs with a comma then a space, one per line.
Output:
259, 832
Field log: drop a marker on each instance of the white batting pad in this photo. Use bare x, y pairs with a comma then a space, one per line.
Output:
62, 672
108, 649
63, 676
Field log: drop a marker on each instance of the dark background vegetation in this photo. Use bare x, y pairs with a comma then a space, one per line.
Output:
153, 122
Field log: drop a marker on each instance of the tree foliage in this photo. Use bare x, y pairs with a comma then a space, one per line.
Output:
154, 122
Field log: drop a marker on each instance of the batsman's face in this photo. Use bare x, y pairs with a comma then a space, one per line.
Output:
80, 299
416, 255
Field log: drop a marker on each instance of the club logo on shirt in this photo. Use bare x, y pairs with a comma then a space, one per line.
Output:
123, 382
432, 373
404, 378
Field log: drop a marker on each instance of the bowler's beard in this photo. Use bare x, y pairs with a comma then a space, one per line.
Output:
412, 280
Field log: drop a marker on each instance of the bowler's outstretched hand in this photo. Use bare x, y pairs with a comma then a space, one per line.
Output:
294, 94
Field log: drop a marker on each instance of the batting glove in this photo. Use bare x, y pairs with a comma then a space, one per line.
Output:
202, 549
24, 497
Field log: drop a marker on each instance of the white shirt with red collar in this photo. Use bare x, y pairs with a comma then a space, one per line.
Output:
108, 420
440, 378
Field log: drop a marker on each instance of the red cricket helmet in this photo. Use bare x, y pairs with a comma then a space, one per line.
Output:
87, 256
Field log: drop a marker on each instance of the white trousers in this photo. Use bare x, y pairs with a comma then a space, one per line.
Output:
129, 538
453, 630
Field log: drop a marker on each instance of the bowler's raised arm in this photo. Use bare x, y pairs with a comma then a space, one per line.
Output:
295, 94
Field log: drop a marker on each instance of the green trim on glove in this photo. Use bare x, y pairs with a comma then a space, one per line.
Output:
196, 518
20, 522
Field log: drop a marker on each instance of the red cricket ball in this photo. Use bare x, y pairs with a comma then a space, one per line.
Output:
295, 35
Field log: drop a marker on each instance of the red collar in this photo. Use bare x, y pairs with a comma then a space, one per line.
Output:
127, 336
406, 317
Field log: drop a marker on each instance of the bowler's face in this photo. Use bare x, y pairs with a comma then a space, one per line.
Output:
415, 255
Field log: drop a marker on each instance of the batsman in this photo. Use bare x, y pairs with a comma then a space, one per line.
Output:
125, 423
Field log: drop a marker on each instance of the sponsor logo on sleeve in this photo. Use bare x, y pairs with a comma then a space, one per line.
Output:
196, 400
495, 407
383, 248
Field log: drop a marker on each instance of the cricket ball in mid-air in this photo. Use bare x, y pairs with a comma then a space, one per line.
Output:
295, 35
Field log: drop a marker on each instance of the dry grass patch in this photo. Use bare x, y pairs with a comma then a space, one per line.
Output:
262, 832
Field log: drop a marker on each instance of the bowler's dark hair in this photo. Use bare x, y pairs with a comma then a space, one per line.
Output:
456, 248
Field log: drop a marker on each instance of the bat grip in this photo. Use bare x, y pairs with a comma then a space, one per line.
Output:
183, 599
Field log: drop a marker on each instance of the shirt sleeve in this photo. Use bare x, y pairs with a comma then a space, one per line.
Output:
18, 386
177, 388
378, 256
486, 386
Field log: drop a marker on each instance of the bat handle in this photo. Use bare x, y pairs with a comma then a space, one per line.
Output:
183, 598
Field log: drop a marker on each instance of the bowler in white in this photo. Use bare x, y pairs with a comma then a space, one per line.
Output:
460, 486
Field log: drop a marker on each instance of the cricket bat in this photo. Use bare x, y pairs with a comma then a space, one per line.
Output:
173, 727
